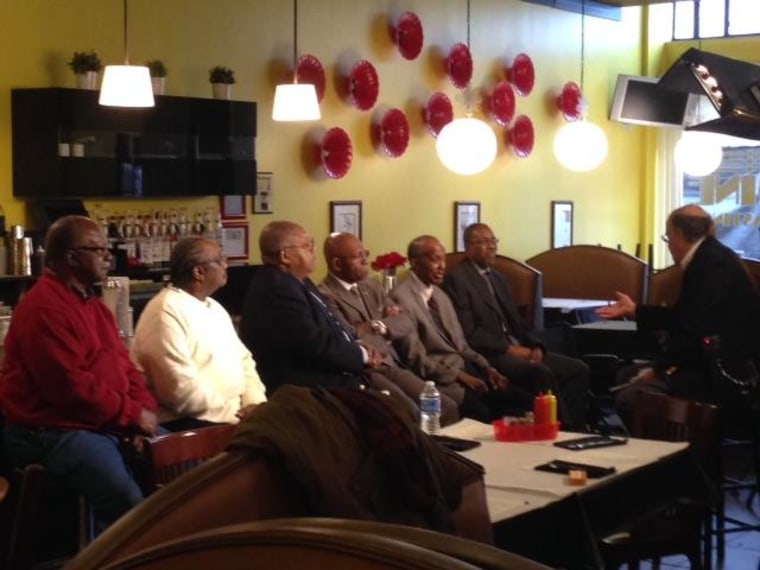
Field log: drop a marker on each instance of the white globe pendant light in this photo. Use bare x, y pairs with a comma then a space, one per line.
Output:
466, 146
580, 146
697, 153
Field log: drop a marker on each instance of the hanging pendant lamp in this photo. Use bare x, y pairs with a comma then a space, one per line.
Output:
581, 145
126, 85
295, 101
468, 145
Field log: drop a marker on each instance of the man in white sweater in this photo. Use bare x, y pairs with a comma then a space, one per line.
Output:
185, 343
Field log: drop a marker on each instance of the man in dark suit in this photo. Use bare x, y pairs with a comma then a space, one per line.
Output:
439, 351
378, 321
287, 325
492, 326
718, 300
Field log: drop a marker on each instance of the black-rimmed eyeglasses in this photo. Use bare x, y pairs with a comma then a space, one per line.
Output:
97, 250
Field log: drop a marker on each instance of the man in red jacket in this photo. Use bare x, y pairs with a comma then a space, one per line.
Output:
68, 391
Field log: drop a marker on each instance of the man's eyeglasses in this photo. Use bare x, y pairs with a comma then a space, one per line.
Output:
361, 255
665, 238
97, 250
219, 260
308, 246
485, 241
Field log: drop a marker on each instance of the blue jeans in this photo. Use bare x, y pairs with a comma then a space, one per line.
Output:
86, 462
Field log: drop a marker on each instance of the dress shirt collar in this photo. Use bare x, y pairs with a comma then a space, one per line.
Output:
426, 291
345, 284
484, 270
690, 254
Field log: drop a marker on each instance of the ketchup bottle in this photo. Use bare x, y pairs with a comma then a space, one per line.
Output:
541, 409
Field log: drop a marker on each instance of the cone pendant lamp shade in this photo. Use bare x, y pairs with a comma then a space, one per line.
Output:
295, 102
126, 86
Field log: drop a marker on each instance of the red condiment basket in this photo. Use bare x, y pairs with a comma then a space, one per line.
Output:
524, 432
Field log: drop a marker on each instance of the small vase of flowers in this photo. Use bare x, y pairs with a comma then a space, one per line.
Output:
388, 263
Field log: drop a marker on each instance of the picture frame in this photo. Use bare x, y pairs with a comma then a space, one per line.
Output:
232, 207
234, 241
346, 216
262, 201
562, 223
465, 213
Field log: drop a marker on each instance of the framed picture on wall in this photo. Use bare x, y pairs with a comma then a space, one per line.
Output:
232, 207
562, 223
465, 213
346, 217
235, 241
262, 201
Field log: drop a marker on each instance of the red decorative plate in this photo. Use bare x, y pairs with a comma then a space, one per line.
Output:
363, 85
522, 137
407, 35
522, 74
503, 103
309, 70
394, 132
459, 66
438, 113
336, 153
570, 101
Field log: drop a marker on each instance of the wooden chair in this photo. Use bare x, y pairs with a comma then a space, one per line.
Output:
169, 456
271, 545
681, 528
525, 283
753, 268
591, 272
665, 286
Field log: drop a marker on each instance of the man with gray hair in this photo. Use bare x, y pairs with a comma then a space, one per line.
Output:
718, 300
185, 342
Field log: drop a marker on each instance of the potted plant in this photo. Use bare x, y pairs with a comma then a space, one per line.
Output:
86, 65
221, 78
158, 73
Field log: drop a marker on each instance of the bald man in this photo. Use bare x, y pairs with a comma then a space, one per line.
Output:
718, 298
377, 320
288, 326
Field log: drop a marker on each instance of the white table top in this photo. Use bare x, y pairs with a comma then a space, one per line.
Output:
567, 305
513, 486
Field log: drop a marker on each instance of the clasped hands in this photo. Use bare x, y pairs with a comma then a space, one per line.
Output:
494, 381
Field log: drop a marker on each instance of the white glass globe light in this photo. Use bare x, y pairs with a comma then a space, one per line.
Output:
580, 146
466, 146
698, 153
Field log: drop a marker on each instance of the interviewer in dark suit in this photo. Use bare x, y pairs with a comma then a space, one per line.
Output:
287, 325
718, 298
377, 320
492, 326
439, 351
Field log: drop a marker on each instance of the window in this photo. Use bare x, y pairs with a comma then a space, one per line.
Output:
714, 18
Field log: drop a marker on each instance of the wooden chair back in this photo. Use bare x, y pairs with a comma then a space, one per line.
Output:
665, 286
661, 417
169, 456
525, 283
273, 546
753, 268
591, 272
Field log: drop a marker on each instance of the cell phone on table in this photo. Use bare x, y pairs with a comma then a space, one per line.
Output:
455, 443
560, 466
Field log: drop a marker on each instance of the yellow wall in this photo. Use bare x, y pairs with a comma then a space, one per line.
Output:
401, 197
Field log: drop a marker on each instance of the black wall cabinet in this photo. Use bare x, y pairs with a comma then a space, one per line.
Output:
66, 145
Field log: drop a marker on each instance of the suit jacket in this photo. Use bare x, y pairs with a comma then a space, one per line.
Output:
480, 312
429, 353
717, 297
293, 338
351, 308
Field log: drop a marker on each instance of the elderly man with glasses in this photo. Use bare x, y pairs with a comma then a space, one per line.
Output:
185, 342
68, 391
493, 327
287, 324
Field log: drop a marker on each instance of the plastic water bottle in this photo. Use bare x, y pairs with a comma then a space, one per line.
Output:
430, 409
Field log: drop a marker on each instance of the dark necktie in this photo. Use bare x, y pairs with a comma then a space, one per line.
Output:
356, 292
490, 280
329, 315
435, 314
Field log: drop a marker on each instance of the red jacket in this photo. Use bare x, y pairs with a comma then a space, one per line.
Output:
65, 365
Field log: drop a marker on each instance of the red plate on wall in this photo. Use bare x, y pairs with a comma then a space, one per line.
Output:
522, 74
459, 66
394, 132
309, 70
363, 85
438, 113
570, 101
337, 153
522, 137
407, 34
503, 103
